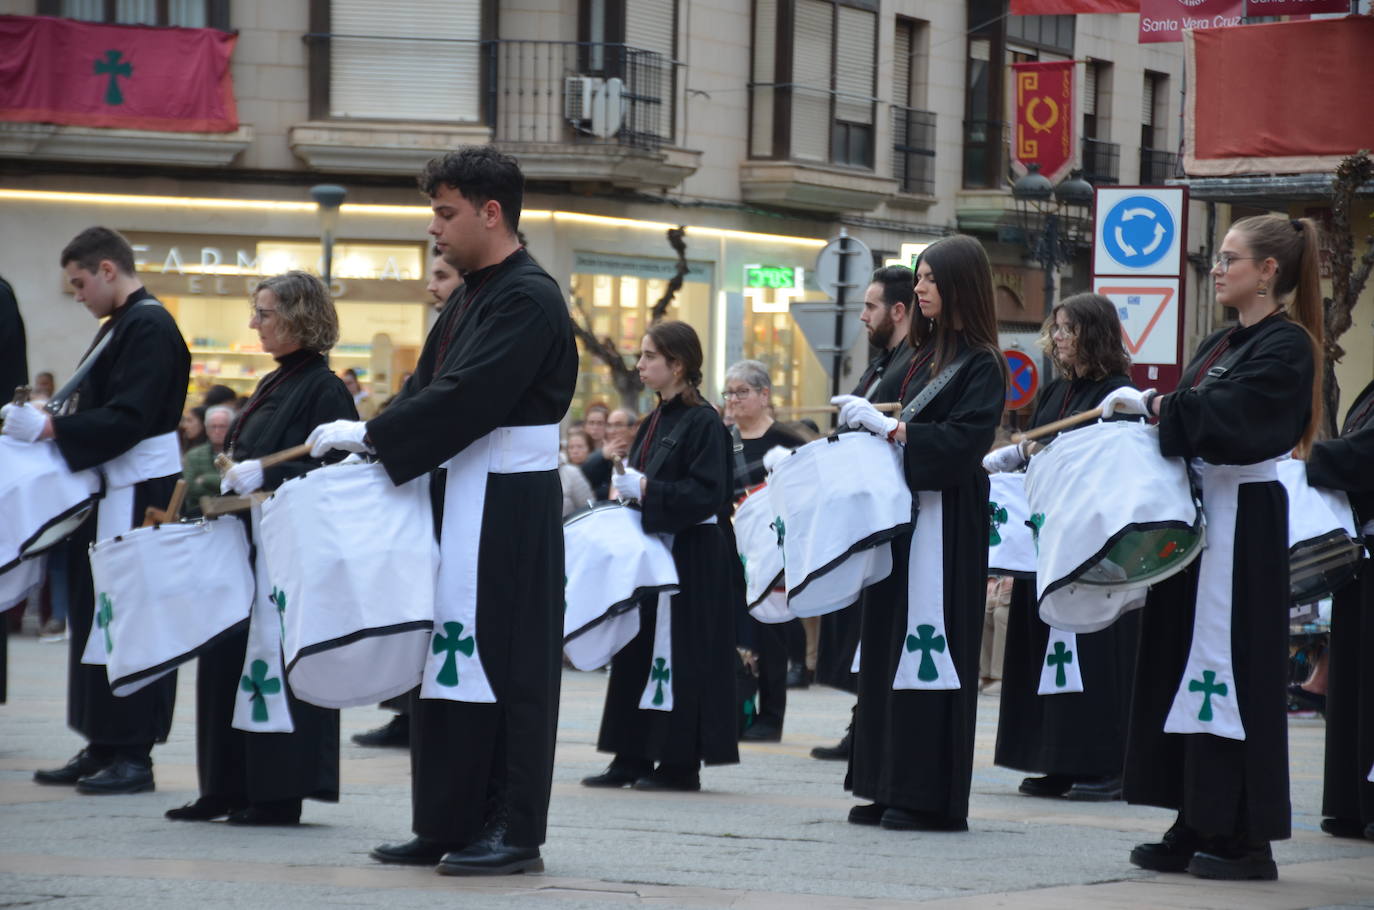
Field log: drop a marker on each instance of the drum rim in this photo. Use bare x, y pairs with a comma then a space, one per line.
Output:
1198, 527
868, 543
166, 666
1353, 553
414, 625
772, 586
599, 507
84, 507
621, 607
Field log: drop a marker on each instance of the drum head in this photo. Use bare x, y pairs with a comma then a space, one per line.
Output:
1143, 556
56, 531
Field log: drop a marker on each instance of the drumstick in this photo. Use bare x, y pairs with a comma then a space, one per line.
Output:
214, 506
223, 463
617, 465
886, 407
1050, 429
155, 516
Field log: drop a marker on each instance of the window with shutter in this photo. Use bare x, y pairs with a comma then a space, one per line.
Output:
1090, 89
386, 77
855, 52
651, 26
1147, 101
765, 63
811, 59
903, 40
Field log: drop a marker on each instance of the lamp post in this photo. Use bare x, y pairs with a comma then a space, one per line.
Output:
328, 196
1052, 219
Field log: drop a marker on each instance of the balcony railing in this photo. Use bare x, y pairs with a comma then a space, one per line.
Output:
795, 122
985, 162
546, 92
913, 150
1157, 165
1101, 162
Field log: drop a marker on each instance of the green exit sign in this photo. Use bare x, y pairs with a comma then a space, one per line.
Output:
771, 276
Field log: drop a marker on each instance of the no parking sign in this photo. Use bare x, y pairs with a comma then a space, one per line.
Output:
1025, 379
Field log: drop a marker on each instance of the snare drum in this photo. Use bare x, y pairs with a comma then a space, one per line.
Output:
1011, 546
838, 502
165, 593
759, 545
354, 561
1324, 548
42, 501
610, 565
1110, 516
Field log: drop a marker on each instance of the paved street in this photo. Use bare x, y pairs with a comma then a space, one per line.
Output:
767, 833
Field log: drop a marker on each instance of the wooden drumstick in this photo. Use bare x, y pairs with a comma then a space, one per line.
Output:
617, 464
1050, 429
155, 516
886, 407
223, 462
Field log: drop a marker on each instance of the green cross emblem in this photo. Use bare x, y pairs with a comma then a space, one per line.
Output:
779, 526
278, 597
999, 518
927, 642
660, 674
1037, 521
103, 615
260, 685
113, 67
1208, 686
1060, 660
452, 642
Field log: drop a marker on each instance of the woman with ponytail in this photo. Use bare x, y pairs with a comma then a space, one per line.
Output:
1208, 732
670, 703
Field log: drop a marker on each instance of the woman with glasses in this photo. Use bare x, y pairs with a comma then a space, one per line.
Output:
748, 403
1209, 728
1075, 740
261, 778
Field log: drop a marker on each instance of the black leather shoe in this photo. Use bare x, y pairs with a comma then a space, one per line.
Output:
800, 677
867, 814
837, 752
1095, 791
82, 764
418, 851
619, 773
202, 810
665, 778
1171, 854
123, 776
762, 732
280, 812
898, 819
395, 733
485, 858
1235, 861
1049, 785
1343, 827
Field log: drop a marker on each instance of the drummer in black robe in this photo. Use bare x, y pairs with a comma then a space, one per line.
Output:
1076, 740
260, 778
670, 704
887, 317
1247, 397
1347, 464
748, 401
495, 377
913, 746
126, 412
14, 372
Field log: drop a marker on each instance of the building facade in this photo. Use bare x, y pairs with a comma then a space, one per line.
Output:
765, 127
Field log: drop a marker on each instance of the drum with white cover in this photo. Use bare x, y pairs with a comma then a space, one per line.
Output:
354, 562
1110, 516
759, 545
1324, 548
610, 565
42, 501
837, 503
165, 593
21, 580
1011, 546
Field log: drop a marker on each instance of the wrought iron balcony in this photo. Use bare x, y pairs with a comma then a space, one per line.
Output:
1157, 165
1101, 162
913, 150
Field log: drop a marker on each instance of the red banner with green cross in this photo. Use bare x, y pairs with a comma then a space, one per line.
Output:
124, 76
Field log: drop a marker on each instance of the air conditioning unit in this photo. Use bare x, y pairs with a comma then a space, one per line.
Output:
593, 105
578, 95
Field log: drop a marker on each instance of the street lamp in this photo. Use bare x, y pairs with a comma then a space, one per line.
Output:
328, 196
1052, 219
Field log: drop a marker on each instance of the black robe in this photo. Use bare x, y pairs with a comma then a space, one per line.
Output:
693, 484
509, 360
1257, 411
135, 391
1082, 734
14, 372
1347, 464
234, 766
840, 630
914, 748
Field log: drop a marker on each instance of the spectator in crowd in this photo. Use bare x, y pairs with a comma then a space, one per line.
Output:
443, 280
579, 447
996, 608
191, 431
618, 433
198, 464
577, 493
44, 387
362, 398
594, 422
220, 394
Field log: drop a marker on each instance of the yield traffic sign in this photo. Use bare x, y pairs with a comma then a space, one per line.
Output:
1148, 309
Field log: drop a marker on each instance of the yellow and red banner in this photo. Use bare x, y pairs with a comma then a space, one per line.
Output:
127, 76
1044, 133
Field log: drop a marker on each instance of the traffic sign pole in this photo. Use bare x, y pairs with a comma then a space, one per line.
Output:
841, 294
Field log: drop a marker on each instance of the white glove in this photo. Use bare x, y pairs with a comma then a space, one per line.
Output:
627, 485
1007, 458
859, 412
340, 434
23, 422
243, 478
774, 456
1126, 400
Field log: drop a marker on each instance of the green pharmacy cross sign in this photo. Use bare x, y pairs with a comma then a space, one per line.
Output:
772, 276
114, 67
